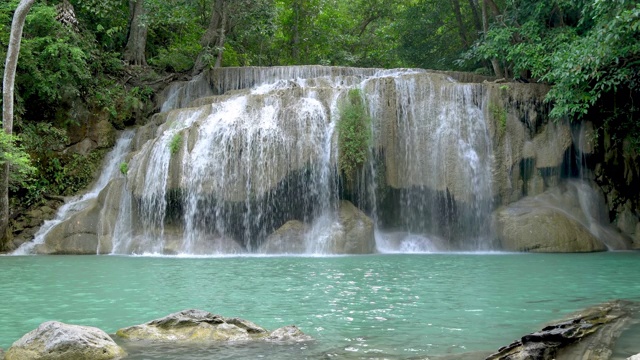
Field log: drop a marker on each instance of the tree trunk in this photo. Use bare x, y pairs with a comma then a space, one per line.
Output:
473, 4
11, 63
485, 25
295, 37
461, 28
134, 51
214, 36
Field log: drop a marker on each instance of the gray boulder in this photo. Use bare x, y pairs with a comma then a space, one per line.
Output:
54, 340
543, 229
288, 239
290, 333
587, 335
634, 357
194, 326
353, 234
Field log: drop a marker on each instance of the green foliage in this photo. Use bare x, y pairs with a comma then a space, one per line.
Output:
124, 168
175, 143
354, 134
429, 35
19, 161
57, 172
499, 114
588, 50
122, 104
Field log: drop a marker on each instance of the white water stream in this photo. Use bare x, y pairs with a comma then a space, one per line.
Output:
111, 169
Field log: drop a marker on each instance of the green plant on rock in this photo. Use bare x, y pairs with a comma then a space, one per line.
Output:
124, 168
176, 142
499, 114
354, 135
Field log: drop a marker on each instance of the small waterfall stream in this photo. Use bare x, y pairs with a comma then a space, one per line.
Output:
111, 170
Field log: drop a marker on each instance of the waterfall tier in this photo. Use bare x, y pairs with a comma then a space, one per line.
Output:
246, 160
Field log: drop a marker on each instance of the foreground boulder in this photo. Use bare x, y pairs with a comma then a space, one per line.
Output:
198, 326
54, 340
587, 335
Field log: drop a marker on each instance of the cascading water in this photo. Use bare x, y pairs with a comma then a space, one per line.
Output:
111, 170
223, 175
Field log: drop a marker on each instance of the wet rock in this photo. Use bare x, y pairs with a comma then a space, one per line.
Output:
540, 229
54, 340
627, 221
103, 134
587, 335
634, 357
288, 239
566, 218
194, 326
76, 236
290, 333
354, 231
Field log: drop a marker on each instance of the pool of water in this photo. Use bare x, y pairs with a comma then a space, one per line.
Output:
361, 307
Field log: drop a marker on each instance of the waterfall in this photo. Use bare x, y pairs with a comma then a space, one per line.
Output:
111, 170
224, 174
246, 160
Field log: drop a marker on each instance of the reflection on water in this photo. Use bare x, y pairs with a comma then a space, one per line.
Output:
381, 306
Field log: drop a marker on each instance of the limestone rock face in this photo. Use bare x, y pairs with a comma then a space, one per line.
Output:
354, 231
194, 326
288, 239
54, 340
567, 218
103, 134
587, 335
76, 236
543, 230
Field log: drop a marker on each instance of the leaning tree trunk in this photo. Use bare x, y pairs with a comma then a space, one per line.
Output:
497, 69
212, 41
134, 51
11, 63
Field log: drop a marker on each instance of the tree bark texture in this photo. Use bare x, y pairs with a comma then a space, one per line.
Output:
11, 63
213, 39
461, 28
497, 69
134, 51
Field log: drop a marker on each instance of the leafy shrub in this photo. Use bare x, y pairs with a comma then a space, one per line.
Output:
354, 134
176, 142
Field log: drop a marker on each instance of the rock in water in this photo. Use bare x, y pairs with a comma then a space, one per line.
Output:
587, 335
289, 333
194, 326
54, 340
288, 239
354, 235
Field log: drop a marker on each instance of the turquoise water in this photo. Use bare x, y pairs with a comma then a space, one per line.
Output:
378, 306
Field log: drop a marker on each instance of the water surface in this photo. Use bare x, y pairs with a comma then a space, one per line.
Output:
377, 306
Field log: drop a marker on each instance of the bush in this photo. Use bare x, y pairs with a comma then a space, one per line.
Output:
354, 135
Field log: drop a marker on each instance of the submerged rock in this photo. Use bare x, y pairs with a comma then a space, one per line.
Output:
198, 326
587, 335
290, 333
54, 340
